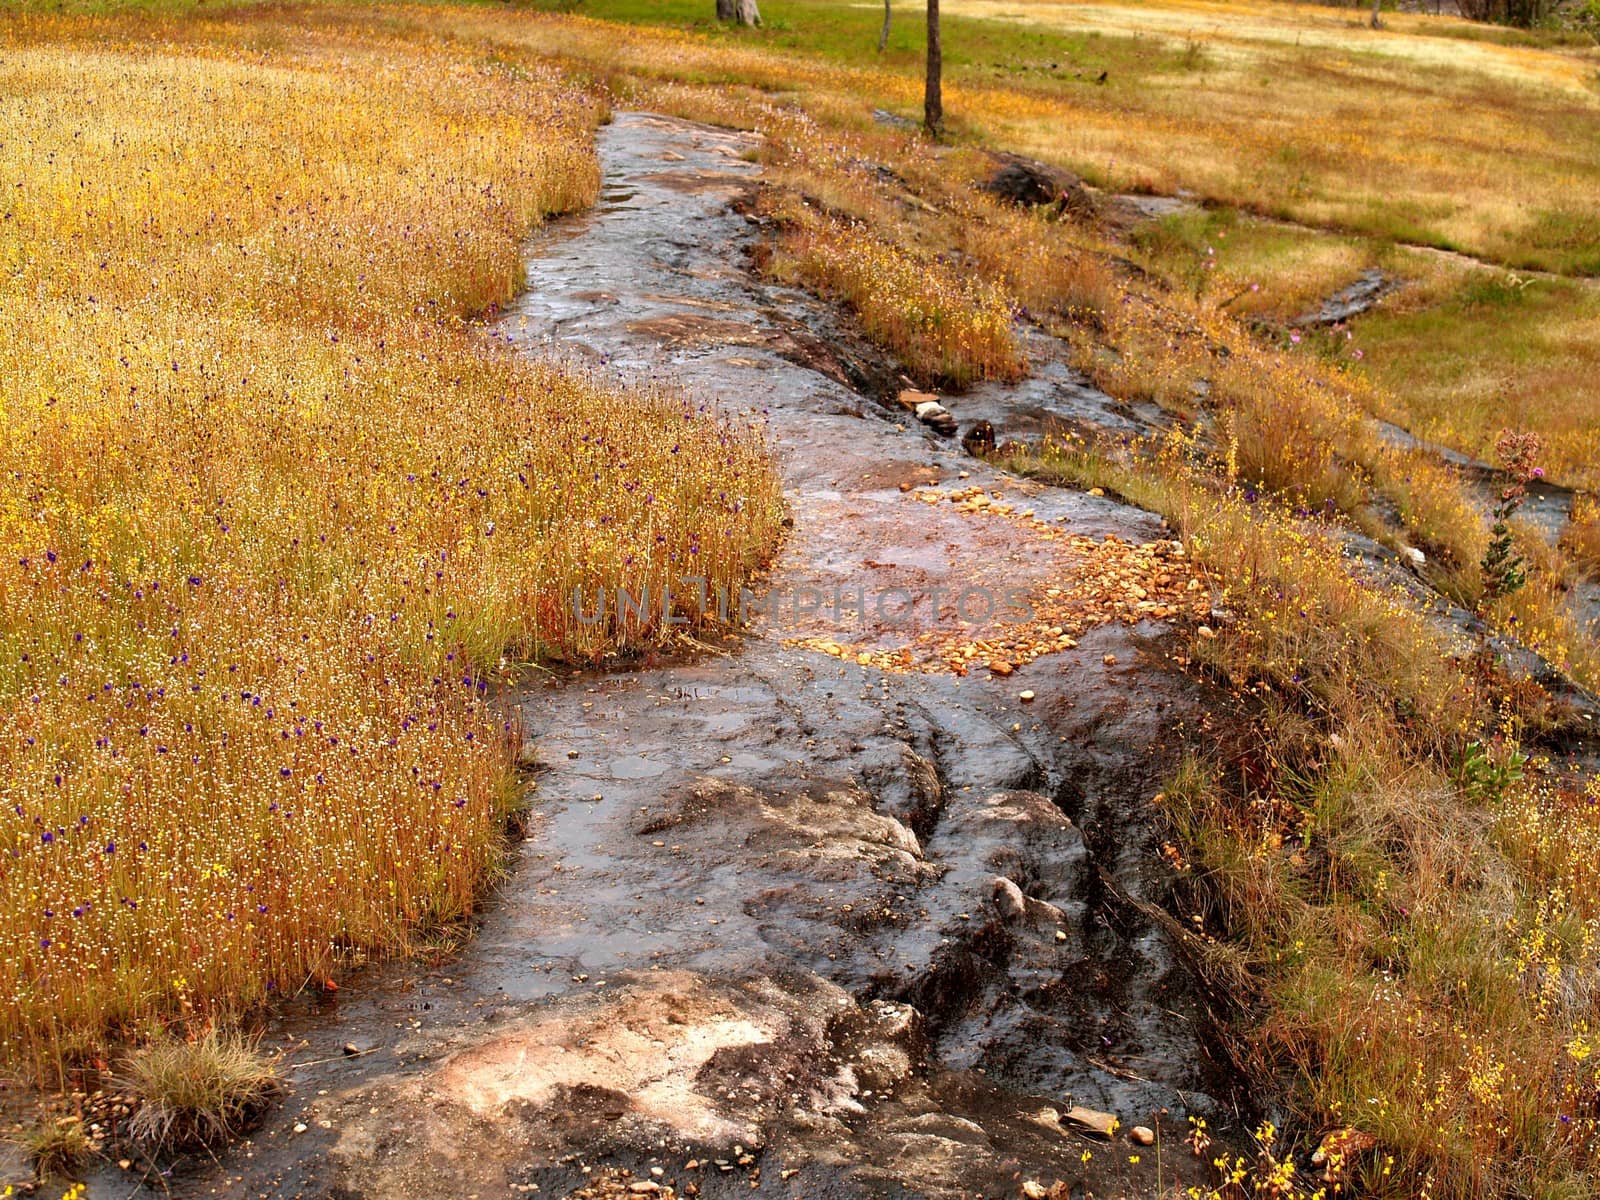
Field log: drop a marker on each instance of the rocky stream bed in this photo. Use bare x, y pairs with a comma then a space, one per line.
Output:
783, 923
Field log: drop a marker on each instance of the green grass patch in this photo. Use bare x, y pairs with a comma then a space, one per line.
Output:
1483, 350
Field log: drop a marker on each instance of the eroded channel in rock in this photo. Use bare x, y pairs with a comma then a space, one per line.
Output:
816, 928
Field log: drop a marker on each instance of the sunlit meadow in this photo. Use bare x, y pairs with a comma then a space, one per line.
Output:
276, 510
1433, 130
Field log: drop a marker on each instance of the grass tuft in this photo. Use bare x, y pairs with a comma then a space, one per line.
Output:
57, 1147
198, 1093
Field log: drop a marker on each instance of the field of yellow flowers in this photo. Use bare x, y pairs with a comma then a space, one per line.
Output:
275, 511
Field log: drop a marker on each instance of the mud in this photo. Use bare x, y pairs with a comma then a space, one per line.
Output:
816, 929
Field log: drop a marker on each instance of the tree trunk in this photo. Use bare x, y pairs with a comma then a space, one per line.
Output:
1376, 23
749, 14
932, 97
883, 38
725, 10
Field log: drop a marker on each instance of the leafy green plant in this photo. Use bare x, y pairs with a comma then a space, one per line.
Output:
1485, 775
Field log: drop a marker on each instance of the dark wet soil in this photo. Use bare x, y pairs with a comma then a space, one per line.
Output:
818, 929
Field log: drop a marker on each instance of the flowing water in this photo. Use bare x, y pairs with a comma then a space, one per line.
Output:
817, 928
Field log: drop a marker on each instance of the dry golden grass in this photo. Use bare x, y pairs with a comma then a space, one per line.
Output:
1300, 112
1290, 422
275, 510
1456, 354
1309, 622
1410, 926
1412, 899
1467, 352
56, 1146
1483, 141
1413, 902
198, 1093
1581, 537
944, 326
1370, 862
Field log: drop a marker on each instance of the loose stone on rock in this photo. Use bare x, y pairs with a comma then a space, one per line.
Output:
979, 440
1102, 1123
936, 417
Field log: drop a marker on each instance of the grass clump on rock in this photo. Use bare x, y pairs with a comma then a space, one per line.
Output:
200, 1092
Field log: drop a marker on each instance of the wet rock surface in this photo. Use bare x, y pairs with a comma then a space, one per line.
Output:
813, 928
1055, 398
1352, 300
